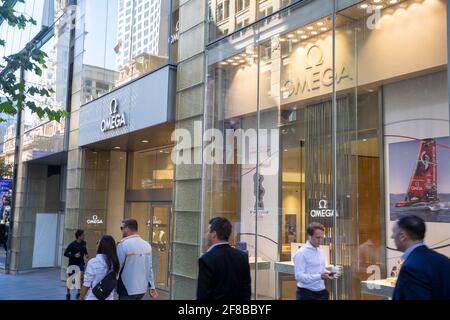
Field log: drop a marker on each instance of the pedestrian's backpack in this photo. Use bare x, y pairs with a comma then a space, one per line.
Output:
103, 289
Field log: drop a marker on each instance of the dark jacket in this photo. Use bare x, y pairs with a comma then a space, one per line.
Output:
3, 233
425, 275
224, 275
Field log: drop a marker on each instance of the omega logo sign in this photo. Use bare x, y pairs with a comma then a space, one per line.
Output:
323, 211
116, 120
94, 220
315, 76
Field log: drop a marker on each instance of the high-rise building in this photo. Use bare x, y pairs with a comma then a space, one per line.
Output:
138, 29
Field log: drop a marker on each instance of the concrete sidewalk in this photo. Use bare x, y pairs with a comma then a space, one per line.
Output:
41, 284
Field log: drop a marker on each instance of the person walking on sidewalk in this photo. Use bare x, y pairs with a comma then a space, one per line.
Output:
76, 252
135, 257
309, 266
97, 268
4, 236
224, 272
424, 274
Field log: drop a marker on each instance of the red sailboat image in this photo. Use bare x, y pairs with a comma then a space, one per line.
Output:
422, 190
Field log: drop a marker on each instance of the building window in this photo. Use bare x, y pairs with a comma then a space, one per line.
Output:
242, 5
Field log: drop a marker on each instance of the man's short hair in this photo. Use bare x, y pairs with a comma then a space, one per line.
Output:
79, 233
313, 227
414, 227
222, 227
130, 224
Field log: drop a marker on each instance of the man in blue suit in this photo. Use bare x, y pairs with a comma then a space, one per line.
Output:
425, 274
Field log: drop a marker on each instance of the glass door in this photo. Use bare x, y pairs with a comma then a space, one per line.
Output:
159, 233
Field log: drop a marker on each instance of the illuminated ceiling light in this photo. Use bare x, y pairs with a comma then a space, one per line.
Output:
237, 58
290, 36
393, 1
241, 61
255, 56
146, 141
313, 33
380, 6
282, 39
230, 60
320, 23
310, 28
324, 28
364, 6
243, 55
377, 1
295, 40
235, 64
304, 36
224, 63
300, 32
117, 148
365, 140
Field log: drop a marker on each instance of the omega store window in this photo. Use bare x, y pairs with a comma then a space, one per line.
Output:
339, 118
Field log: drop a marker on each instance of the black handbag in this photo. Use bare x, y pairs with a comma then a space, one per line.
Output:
103, 289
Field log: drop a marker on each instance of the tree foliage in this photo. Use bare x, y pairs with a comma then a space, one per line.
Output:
16, 95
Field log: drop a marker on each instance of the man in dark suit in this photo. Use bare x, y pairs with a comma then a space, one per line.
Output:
224, 272
424, 274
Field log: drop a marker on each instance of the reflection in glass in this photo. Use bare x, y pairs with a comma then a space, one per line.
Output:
123, 40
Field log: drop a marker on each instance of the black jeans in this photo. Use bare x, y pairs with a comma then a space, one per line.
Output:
305, 294
133, 297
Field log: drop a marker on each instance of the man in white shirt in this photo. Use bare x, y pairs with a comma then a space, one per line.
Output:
135, 257
309, 265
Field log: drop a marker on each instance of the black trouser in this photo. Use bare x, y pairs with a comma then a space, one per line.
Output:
133, 297
305, 294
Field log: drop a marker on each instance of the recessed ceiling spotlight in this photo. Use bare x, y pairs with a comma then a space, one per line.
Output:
290, 36
320, 23
243, 55
230, 60
324, 29
146, 141
364, 6
224, 63
117, 148
235, 64
380, 6
393, 1
295, 40
300, 32
304, 36
241, 61
310, 28
313, 33
377, 1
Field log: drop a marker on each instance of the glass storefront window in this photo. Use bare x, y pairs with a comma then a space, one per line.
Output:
337, 121
151, 170
123, 40
43, 137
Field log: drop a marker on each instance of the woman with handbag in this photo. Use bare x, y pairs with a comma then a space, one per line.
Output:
100, 277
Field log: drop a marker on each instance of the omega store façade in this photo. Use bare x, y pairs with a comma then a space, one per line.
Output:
128, 170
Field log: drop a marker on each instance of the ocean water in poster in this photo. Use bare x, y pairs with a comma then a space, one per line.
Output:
419, 179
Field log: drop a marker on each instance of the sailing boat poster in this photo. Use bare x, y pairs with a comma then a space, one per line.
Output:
419, 179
